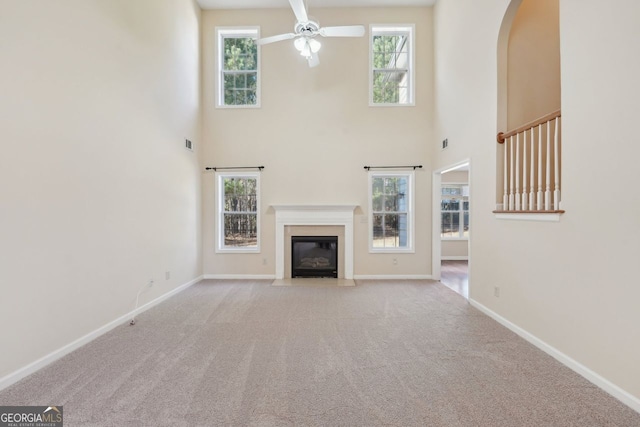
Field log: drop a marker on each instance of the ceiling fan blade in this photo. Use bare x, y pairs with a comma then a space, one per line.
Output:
314, 61
274, 39
344, 31
299, 10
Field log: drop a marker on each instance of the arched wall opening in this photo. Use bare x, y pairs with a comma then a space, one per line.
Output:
528, 67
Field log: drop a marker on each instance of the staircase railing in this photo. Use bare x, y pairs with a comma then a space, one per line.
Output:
531, 166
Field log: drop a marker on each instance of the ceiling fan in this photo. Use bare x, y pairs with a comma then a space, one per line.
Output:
306, 30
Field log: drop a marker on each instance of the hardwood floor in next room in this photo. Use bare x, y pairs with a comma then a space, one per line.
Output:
455, 275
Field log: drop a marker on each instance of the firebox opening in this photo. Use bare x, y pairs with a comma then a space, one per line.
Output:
314, 256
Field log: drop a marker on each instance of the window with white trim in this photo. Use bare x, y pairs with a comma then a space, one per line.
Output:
391, 212
238, 219
238, 81
454, 213
391, 77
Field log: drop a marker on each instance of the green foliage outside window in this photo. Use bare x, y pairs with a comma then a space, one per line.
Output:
240, 71
390, 65
389, 205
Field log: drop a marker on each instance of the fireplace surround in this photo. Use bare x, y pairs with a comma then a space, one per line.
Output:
314, 215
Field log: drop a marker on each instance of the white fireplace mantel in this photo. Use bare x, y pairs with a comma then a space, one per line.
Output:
341, 215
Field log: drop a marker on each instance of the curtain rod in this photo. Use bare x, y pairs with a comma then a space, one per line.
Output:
393, 167
234, 167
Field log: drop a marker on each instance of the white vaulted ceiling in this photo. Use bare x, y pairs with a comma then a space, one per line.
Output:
261, 4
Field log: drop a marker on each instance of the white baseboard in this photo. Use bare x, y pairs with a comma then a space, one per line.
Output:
606, 385
355, 277
16, 376
454, 258
240, 276
392, 277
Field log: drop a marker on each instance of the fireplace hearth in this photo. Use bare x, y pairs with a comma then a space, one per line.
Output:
314, 256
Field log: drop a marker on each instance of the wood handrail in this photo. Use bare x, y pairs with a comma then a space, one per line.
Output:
504, 135
557, 211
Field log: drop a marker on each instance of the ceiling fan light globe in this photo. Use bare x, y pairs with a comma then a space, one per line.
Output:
306, 51
300, 43
315, 45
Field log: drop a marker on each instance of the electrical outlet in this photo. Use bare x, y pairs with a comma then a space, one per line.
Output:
496, 291
395, 261
167, 275
150, 283
445, 143
264, 261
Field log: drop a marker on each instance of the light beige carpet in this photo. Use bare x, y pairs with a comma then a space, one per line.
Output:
229, 353
313, 281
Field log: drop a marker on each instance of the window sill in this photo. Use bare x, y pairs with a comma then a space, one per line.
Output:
454, 239
237, 251
547, 216
391, 251
411, 104
237, 107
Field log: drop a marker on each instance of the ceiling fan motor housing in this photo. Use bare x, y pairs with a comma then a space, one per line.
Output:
307, 29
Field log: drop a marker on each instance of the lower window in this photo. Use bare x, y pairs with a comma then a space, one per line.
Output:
238, 216
391, 207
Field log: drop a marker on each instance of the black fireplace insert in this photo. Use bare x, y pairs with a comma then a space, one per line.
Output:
314, 256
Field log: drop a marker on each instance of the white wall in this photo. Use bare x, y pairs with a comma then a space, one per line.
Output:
568, 283
97, 192
455, 249
315, 132
533, 62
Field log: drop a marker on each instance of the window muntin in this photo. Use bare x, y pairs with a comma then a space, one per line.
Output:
391, 212
238, 68
454, 215
238, 212
392, 57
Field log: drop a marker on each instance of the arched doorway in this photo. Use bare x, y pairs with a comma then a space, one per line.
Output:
529, 68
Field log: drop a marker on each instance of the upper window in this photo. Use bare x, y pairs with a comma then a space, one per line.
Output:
455, 211
391, 212
238, 212
392, 61
238, 67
